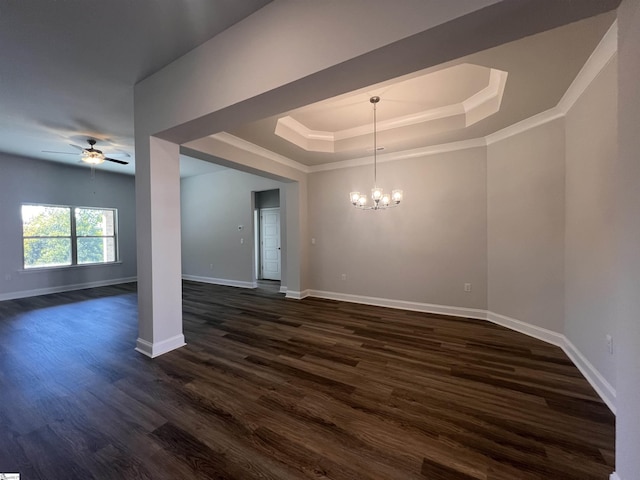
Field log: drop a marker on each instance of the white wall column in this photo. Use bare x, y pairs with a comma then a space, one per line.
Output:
158, 246
627, 229
292, 252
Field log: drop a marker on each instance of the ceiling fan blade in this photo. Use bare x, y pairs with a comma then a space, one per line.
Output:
117, 154
121, 162
60, 153
77, 146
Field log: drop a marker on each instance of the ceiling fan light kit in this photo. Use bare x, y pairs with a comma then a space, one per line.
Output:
91, 155
380, 199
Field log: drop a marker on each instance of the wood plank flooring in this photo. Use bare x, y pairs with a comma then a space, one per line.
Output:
269, 388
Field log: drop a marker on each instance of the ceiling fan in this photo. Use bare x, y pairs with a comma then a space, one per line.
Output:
91, 155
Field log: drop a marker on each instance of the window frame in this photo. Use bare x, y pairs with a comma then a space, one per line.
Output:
73, 237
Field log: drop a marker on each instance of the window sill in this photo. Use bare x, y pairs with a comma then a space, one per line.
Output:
67, 267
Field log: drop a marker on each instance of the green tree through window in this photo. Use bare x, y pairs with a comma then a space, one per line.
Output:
47, 236
52, 237
95, 232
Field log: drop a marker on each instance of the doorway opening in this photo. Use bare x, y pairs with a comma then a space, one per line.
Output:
268, 242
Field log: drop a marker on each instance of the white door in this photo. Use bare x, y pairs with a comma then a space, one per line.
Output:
270, 243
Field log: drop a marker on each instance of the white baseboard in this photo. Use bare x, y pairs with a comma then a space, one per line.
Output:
64, 288
402, 304
595, 378
297, 295
156, 349
603, 388
220, 281
614, 476
534, 331
283, 289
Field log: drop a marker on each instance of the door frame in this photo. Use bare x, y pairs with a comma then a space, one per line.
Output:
259, 263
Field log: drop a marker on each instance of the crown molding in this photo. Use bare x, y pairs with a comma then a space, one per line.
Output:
524, 125
599, 59
404, 155
487, 101
480, 105
596, 62
249, 147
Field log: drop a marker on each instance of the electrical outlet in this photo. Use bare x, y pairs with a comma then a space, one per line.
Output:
343, 276
609, 339
467, 287
211, 266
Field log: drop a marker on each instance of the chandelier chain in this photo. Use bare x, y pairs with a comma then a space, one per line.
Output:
375, 145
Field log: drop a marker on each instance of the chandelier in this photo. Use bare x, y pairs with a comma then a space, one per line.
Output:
380, 199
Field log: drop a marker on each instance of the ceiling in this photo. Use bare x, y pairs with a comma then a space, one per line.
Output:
68, 69
428, 107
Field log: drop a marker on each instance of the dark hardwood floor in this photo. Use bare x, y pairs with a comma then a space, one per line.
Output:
269, 388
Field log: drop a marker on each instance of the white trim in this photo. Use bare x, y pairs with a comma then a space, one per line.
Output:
155, 349
297, 295
392, 157
614, 476
534, 331
525, 125
476, 107
66, 267
595, 378
283, 289
486, 102
402, 304
599, 59
249, 147
220, 281
64, 288
495, 89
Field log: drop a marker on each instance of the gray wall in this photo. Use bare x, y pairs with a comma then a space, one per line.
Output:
627, 228
423, 251
525, 186
212, 207
268, 199
33, 181
591, 138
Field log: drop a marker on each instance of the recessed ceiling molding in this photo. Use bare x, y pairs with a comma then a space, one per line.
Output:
241, 144
404, 155
487, 101
311, 140
478, 106
404, 121
524, 125
600, 57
